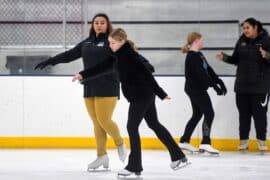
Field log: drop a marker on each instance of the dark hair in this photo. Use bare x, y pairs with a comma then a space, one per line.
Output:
92, 32
253, 22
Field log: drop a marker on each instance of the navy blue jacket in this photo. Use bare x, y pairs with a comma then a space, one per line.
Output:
253, 71
93, 51
198, 73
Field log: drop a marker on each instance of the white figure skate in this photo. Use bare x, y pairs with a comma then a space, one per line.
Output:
262, 146
124, 173
243, 146
208, 148
100, 161
122, 152
178, 164
188, 147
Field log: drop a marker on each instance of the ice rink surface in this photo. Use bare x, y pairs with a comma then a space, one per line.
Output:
25, 164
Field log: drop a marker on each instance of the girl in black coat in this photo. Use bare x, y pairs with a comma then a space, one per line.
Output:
100, 94
252, 85
140, 88
199, 77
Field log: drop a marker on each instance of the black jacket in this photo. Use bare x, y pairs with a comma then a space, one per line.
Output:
198, 73
253, 71
136, 79
94, 51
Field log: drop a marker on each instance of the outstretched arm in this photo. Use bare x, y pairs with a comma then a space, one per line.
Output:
105, 67
64, 57
233, 59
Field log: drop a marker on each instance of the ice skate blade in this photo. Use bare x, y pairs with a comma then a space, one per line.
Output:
133, 175
201, 151
98, 170
243, 151
182, 166
263, 152
189, 151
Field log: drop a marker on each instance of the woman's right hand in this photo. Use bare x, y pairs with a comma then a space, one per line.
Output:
167, 98
77, 77
220, 56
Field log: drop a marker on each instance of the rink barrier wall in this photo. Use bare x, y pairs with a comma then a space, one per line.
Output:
90, 143
49, 112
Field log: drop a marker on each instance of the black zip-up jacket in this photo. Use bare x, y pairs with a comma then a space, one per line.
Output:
198, 77
137, 81
93, 51
253, 71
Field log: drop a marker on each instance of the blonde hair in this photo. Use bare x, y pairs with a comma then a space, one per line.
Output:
190, 39
119, 34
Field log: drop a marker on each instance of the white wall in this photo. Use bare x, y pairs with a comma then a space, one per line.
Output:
53, 106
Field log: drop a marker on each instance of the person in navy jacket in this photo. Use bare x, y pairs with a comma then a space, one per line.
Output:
251, 55
100, 94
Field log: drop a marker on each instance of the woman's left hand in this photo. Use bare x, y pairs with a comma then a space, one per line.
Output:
77, 77
263, 52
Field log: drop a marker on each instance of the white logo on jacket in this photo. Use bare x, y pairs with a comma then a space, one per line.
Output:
265, 101
243, 43
100, 44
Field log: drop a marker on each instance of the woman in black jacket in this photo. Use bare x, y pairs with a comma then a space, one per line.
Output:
199, 77
100, 94
140, 88
252, 85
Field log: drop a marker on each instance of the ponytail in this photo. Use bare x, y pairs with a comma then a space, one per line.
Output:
132, 44
185, 48
190, 39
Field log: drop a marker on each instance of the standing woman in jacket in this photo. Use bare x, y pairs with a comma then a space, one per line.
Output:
199, 77
252, 85
140, 88
100, 94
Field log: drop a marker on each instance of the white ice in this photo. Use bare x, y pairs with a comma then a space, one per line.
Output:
71, 165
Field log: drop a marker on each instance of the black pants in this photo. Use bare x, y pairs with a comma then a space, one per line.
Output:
145, 108
201, 105
252, 105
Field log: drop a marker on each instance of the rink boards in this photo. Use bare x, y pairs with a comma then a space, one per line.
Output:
49, 112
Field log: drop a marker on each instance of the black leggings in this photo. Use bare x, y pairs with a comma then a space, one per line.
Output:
145, 108
201, 105
252, 105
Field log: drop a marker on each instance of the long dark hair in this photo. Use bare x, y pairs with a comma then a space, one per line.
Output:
253, 22
92, 32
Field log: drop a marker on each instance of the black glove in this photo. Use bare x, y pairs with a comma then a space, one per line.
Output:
222, 87
218, 90
43, 64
